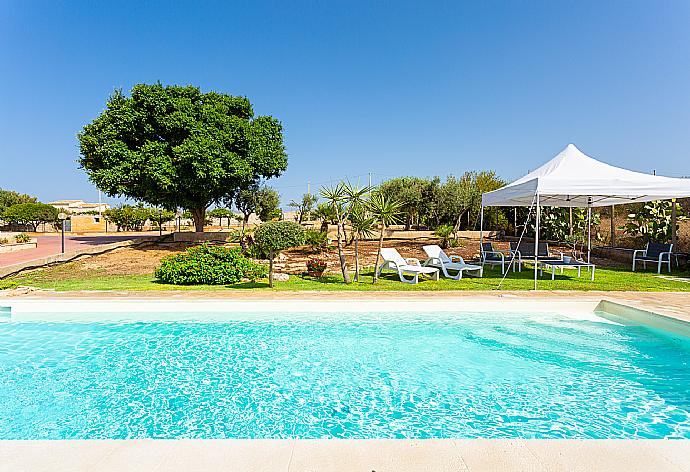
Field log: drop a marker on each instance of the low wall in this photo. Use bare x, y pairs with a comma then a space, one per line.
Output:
192, 237
5, 248
619, 254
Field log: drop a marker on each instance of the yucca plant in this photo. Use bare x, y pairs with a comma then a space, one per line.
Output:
385, 212
363, 225
343, 198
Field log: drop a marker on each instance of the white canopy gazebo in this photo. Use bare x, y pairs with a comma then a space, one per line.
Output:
573, 179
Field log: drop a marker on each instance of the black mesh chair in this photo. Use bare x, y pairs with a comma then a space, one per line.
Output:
654, 252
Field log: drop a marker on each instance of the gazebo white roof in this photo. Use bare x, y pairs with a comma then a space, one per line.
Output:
573, 179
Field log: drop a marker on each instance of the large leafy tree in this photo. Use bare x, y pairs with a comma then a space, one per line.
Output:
175, 146
31, 214
9, 198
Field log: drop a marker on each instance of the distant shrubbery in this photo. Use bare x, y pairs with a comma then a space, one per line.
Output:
133, 218
22, 238
318, 240
208, 265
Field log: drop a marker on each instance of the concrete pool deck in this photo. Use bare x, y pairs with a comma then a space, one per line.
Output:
351, 455
432, 455
671, 304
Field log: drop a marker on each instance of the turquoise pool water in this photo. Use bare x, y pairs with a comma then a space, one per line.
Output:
472, 375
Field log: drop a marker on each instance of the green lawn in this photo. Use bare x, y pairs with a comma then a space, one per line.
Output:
64, 278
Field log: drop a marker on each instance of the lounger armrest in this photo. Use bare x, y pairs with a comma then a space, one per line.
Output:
413, 261
639, 251
454, 257
432, 261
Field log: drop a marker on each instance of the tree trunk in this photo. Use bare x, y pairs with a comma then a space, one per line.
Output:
345, 236
270, 269
378, 255
356, 260
341, 256
199, 215
456, 228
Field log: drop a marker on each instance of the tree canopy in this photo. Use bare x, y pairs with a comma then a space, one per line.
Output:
261, 200
9, 198
433, 203
32, 214
275, 236
175, 146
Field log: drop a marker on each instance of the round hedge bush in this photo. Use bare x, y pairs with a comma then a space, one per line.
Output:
208, 265
274, 236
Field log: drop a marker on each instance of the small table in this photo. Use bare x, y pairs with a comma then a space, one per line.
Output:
567, 265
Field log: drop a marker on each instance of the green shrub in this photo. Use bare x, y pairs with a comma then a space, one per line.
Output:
4, 241
316, 239
22, 238
8, 284
445, 233
274, 236
208, 265
654, 222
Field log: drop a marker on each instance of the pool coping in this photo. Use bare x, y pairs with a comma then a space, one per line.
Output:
670, 304
379, 455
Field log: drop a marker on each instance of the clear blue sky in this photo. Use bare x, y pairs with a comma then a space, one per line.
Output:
392, 88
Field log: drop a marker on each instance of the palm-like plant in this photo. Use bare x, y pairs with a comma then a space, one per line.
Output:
385, 212
363, 225
336, 198
343, 198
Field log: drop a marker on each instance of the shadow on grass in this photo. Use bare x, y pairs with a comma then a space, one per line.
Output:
237, 286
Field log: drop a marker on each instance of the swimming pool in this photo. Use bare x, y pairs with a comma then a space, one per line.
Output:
420, 374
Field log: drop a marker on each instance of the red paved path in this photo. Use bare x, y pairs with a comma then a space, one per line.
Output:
50, 245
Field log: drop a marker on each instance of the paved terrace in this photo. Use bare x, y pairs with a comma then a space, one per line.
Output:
51, 246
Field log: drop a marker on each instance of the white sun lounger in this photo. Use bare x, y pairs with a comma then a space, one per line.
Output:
439, 259
394, 261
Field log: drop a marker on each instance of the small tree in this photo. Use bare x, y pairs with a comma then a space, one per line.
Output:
304, 207
385, 212
31, 214
362, 227
327, 214
221, 213
131, 218
268, 204
275, 236
343, 198
263, 201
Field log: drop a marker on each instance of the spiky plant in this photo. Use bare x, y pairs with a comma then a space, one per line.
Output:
385, 212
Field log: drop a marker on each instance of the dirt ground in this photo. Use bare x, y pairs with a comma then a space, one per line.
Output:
141, 260
144, 260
